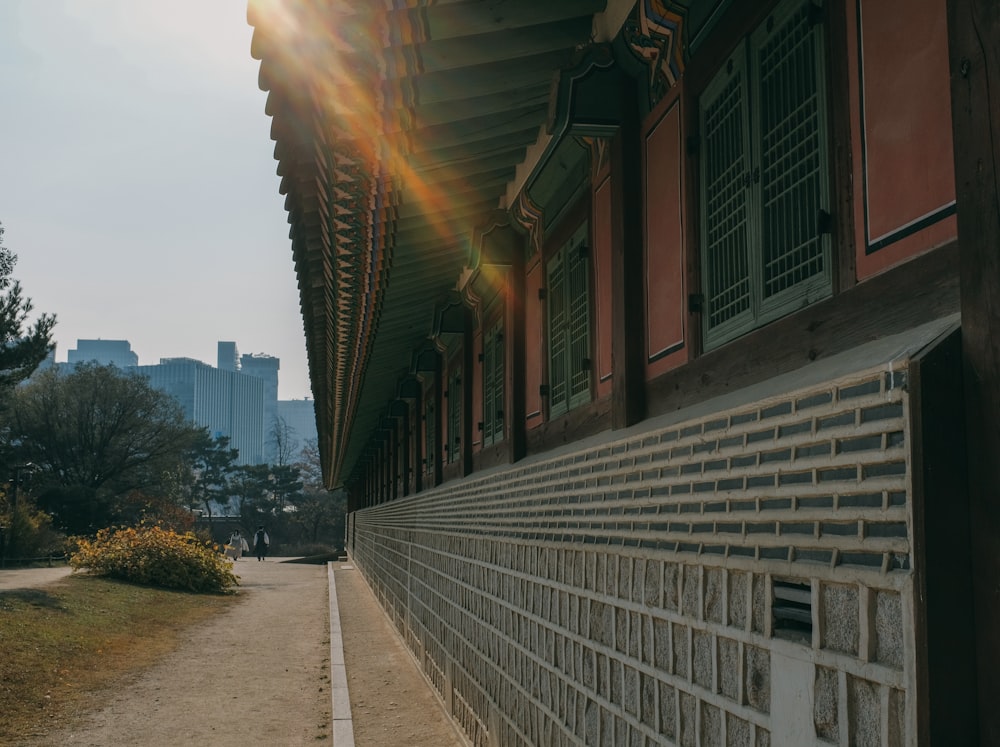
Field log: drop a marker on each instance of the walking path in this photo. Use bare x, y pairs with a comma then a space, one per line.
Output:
268, 672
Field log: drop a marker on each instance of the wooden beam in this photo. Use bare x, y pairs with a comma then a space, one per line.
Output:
628, 351
974, 58
944, 630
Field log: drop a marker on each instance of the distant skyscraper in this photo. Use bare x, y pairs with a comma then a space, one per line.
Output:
265, 368
300, 417
115, 352
228, 356
224, 402
238, 399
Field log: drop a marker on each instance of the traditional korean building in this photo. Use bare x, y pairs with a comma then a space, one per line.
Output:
654, 343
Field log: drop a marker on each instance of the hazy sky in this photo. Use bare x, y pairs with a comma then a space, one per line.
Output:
137, 179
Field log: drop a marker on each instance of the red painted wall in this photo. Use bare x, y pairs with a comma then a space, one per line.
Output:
901, 130
663, 195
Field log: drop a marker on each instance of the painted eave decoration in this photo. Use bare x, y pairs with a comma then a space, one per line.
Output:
398, 126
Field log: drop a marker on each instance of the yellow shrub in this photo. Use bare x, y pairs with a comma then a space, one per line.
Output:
155, 556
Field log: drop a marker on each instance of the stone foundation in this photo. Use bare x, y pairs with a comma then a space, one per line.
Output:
741, 578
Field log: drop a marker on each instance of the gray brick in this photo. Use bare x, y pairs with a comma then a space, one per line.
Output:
739, 733
882, 412
795, 429
705, 447
711, 726
864, 559
825, 708
814, 400
795, 478
808, 555
689, 720
860, 500
859, 443
775, 504
781, 455
713, 594
841, 617
818, 501
834, 421
716, 425
864, 712
799, 527
886, 529
758, 436
889, 629
782, 408
813, 450
886, 469
668, 710
702, 658
757, 684
679, 636
738, 598
860, 390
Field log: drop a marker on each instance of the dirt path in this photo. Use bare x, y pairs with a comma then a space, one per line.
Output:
391, 703
259, 674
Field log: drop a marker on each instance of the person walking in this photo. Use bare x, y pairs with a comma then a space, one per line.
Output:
261, 542
237, 546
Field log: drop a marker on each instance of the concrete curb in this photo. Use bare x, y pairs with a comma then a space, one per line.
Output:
343, 724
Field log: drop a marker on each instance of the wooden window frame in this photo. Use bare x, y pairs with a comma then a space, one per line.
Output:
739, 41
570, 254
494, 377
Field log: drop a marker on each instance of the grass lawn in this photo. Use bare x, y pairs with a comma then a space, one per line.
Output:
68, 639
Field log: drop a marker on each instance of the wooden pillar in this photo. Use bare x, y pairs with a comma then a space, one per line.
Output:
628, 350
974, 57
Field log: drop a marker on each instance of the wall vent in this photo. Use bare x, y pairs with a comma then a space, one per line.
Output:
791, 610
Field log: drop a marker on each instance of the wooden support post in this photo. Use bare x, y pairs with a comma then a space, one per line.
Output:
628, 352
974, 57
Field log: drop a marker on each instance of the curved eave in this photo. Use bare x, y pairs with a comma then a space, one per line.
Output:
452, 95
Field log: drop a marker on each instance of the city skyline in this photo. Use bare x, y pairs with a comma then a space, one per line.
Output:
140, 190
104, 350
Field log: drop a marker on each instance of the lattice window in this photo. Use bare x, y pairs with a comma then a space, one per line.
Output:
493, 388
430, 433
454, 446
764, 176
568, 300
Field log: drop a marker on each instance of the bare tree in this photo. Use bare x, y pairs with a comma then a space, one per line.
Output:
283, 442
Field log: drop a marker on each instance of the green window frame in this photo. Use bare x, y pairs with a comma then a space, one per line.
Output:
430, 434
454, 444
493, 384
764, 187
567, 276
